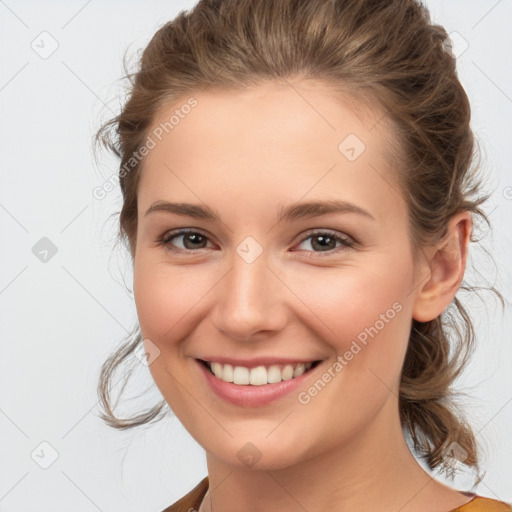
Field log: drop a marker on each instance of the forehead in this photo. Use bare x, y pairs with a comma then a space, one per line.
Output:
277, 141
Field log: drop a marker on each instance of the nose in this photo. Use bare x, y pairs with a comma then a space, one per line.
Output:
250, 300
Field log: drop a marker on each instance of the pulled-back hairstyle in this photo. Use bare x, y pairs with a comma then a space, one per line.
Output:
384, 52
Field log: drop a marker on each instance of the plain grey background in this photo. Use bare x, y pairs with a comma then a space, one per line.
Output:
60, 65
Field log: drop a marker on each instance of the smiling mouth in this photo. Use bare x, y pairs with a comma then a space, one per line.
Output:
260, 375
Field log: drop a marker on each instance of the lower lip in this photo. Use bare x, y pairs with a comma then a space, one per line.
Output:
253, 396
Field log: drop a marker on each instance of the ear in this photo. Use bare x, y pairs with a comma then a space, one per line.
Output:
444, 267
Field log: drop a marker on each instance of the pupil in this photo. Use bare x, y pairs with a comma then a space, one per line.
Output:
326, 241
195, 238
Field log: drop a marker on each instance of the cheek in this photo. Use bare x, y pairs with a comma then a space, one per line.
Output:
165, 303
363, 315
165, 297
365, 318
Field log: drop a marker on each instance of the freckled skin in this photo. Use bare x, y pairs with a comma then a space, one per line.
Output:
246, 155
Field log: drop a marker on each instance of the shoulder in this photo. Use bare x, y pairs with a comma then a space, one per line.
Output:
191, 501
482, 504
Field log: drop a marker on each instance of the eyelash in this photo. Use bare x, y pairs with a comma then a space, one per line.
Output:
167, 237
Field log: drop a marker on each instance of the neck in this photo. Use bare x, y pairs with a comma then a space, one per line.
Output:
373, 467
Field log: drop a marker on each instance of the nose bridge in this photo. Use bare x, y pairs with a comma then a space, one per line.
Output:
249, 299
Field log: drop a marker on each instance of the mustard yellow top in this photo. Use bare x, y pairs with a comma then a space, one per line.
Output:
193, 499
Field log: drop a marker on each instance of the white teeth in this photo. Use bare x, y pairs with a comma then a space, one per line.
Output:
273, 374
299, 370
259, 375
227, 372
240, 375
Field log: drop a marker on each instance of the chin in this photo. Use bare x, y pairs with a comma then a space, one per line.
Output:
259, 453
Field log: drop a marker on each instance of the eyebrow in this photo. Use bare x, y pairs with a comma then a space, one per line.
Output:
293, 211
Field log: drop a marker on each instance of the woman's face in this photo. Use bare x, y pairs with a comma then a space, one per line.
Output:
251, 285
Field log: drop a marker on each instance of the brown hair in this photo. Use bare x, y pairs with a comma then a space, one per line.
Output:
383, 51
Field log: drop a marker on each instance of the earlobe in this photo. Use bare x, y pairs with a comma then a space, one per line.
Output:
445, 266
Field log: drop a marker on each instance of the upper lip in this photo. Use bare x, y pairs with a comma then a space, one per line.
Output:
258, 361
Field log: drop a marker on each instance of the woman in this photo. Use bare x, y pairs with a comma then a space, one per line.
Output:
299, 198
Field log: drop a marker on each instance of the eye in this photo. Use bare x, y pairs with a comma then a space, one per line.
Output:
326, 242
323, 241
191, 240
